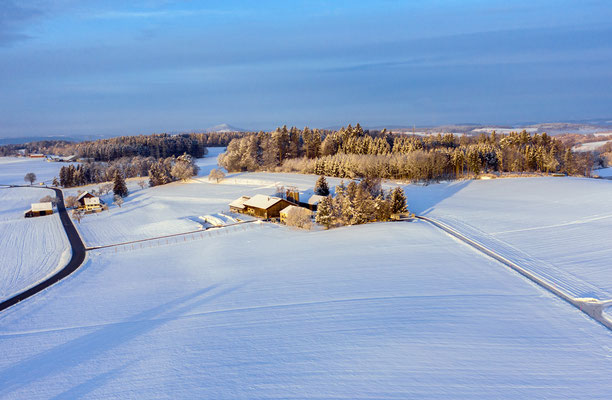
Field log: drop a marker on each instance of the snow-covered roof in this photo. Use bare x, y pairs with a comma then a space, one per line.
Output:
239, 203
79, 197
288, 209
92, 201
47, 206
315, 199
262, 201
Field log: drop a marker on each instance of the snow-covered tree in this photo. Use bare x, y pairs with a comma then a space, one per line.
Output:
184, 167
325, 213
398, 200
216, 175
299, 218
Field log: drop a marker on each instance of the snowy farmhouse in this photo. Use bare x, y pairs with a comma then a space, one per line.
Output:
39, 209
88, 202
260, 206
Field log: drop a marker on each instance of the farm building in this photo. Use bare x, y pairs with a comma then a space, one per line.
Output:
313, 202
34, 155
284, 213
39, 209
265, 206
89, 202
93, 204
238, 204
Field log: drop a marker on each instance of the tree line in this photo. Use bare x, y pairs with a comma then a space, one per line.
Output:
158, 146
352, 152
159, 171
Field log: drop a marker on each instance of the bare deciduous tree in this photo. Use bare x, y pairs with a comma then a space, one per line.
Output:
216, 175
70, 202
118, 200
30, 177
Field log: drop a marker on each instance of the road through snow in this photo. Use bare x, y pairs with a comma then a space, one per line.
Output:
78, 255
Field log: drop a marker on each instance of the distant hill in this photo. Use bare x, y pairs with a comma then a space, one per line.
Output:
224, 128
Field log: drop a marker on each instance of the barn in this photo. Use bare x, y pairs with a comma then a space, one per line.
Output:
39, 209
265, 206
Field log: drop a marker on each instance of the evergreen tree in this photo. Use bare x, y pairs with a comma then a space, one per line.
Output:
398, 200
321, 188
325, 213
119, 186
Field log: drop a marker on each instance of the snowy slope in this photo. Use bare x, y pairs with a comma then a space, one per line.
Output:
379, 311
30, 249
558, 227
13, 169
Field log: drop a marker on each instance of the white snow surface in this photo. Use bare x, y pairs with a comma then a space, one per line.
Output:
13, 170
395, 310
385, 310
603, 172
591, 146
31, 249
558, 228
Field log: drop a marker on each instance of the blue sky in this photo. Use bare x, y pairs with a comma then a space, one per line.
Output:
116, 67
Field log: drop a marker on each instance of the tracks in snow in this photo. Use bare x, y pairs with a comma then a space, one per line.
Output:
592, 307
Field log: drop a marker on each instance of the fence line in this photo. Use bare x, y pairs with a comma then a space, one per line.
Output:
178, 238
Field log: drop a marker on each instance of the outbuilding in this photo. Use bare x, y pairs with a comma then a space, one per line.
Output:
39, 209
265, 206
238, 204
314, 200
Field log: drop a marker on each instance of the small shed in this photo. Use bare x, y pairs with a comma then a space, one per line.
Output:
284, 213
39, 209
314, 200
265, 206
238, 204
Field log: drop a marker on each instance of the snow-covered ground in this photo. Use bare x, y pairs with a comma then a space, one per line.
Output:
557, 227
591, 146
386, 310
30, 249
13, 170
395, 310
603, 172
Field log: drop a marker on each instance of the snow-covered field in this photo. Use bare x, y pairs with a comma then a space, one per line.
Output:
30, 249
591, 146
603, 172
378, 311
13, 170
558, 227
386, 310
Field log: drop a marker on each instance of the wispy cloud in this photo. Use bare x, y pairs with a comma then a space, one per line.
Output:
12, 19
136, 14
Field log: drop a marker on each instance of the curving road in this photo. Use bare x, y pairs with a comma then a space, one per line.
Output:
78, 253
592, 307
